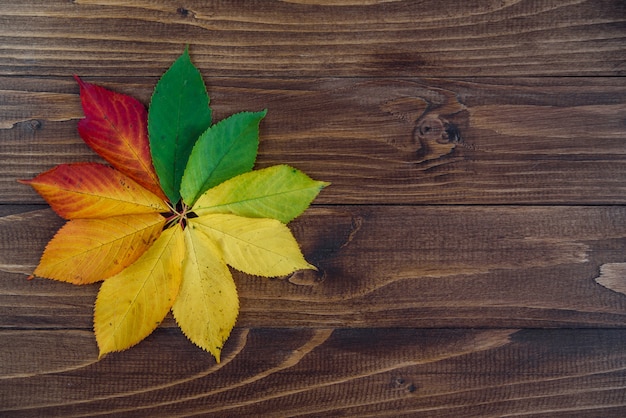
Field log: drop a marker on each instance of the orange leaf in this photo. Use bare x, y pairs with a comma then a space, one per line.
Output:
116, 127
89, 250
92, 190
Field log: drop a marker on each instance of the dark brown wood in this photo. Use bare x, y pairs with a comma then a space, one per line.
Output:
537, 141
467, 266
320, 372
471, 248
312, 38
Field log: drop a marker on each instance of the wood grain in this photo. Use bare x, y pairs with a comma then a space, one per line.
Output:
391, 38
518, 141
613, 276
320, 372
471, 248
396, 266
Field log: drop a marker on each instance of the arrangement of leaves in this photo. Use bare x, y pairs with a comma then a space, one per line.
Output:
178, 204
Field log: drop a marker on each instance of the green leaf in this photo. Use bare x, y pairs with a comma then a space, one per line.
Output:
263, 247
207, 304
280, 192
179, 112
225, 150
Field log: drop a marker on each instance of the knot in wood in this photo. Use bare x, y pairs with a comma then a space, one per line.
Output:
184, 12
437, 129
399, 383
35, 124
434, 129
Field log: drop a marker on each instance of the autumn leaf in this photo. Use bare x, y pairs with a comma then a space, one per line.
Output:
116, 127
89, 250
92, 190
131, 304
263, 247
207, 304
280, 192
128, 227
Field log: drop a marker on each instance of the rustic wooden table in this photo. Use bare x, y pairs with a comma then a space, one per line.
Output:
477, 154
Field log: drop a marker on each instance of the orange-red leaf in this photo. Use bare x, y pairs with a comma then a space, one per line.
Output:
92, 190
89, 250
116, 127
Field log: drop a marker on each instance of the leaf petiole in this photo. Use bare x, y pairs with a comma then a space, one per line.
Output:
177, 215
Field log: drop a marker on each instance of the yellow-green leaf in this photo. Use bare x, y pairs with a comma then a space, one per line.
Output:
131, 304
89, 250
279, 192
259, 246
207, 304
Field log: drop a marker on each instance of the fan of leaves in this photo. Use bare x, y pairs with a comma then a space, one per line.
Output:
177, 205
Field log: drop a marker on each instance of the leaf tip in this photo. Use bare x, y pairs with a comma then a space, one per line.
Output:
80, 82
185, 55
25, 181
105, 346
311, 267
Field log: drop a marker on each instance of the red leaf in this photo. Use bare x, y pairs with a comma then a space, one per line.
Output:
116, 127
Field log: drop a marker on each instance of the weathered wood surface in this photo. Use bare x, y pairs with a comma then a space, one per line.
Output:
312, 38
320, 372
537, 141
427, 266
477, 213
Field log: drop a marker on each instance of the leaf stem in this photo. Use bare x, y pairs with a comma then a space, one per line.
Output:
177, 216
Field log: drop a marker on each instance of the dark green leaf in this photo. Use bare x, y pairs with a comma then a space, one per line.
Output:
225, 150
179, 113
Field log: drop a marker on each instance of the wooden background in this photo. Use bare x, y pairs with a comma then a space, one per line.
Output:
477, 154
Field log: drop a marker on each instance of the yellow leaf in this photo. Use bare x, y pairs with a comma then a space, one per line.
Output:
131, 304
207, 305
89, 250
259, 246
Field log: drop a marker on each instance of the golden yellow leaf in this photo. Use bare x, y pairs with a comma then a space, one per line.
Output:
207, 304
259, 246
89, 250
131, 304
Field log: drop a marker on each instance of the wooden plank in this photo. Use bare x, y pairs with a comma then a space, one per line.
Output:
396, 266
320, 372
511, 141
313, 38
